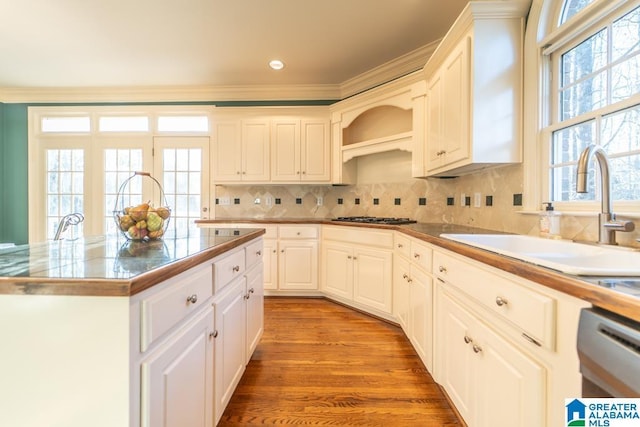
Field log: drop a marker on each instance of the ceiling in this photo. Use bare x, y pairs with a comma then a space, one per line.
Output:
215, 43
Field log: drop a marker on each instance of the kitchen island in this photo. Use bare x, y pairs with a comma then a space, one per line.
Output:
104, 332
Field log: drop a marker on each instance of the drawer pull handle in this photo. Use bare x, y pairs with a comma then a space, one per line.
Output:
442, 269
246, 296
214, 334
467, 339
416, 256
404, 276
400, 245
476, 348
236, 268
355, 258
192, 299
349, 257
298, 233
251, 291
531, 340
258, 253
501, 301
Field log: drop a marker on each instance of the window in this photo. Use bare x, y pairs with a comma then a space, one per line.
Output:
594, 61
79, 158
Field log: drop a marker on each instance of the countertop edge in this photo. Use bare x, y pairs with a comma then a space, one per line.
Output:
617, 302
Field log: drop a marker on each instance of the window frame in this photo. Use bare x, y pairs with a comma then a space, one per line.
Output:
544, 38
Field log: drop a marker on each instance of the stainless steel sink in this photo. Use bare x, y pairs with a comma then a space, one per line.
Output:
562, 255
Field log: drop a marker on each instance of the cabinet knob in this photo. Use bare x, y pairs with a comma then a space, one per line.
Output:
304, 173
214, 334
442, 269
244, 173
236, 268
441, 152
501, 301
281, 251
246, 296
297, 172
258, 253
274, 251
416, 256
476, 348
192, 299
404, 276
467, 339
251, 291
298, 233
349, 257
400, 245
355, 258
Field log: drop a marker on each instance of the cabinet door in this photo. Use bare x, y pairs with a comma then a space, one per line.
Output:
454, 357
230, 353
298, 264
455, 104
285, 159
255, 150
421, 316
177, 379
227, 152
434, 137
270, 264
315, 151
255, 309
510, 387
401, 296
337, 268
372, 278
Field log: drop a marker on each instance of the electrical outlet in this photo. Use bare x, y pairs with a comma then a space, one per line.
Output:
256, 201
268, 200
224, 201
319, 201
477, 200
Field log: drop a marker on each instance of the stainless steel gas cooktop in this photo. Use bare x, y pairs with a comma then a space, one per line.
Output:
375, 220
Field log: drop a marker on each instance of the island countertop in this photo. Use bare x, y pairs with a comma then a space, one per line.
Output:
110, 266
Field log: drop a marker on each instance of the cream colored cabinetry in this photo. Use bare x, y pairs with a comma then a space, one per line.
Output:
387, 121
413, 294
357, 267
238, 306
300, 150
241, 150
501, 341
297, 257
474, 91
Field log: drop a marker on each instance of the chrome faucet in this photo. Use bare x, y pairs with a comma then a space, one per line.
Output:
607, 223
67, 220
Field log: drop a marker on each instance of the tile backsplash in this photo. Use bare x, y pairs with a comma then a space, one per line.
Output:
498, 192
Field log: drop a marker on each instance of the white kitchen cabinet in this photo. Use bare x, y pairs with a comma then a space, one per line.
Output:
241, 150
357, 268
300, 150
177, 378
500, 341
270, 264
413, 294
298, 264
474, 91
254, 295
490, 381
230, 339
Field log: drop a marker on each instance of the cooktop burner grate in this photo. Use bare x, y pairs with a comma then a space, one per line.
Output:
375, 220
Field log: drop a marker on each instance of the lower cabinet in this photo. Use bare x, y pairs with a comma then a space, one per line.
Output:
490, 381
177, 379
357, 268
298, 265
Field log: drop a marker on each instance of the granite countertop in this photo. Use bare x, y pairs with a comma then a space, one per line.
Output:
616, 294
110, 266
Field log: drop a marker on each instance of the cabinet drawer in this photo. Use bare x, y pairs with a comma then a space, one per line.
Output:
402, 244
297, 232
503, 294
359, 235
421, 255
253, 253
180, 297
228, 268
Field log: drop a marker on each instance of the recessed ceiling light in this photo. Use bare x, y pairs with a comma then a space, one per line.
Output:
276, 64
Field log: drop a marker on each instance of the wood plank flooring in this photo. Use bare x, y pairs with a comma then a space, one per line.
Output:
320, 363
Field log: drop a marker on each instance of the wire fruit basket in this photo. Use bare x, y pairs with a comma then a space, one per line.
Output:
144, 221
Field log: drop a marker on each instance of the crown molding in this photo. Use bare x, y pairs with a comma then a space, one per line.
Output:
389, 71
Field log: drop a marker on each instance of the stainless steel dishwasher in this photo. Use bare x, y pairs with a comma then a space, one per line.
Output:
609, 352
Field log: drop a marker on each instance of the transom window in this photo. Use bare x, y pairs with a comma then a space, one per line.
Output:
595, 94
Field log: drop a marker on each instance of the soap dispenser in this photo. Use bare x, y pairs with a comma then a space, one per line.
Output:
550, 222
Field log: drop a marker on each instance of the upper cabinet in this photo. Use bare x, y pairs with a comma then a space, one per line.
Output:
271, 145
473, 105
301, 150
378, 121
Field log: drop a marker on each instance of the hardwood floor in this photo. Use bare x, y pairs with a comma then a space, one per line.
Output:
320, 363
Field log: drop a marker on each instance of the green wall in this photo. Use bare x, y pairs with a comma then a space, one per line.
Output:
13, 174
